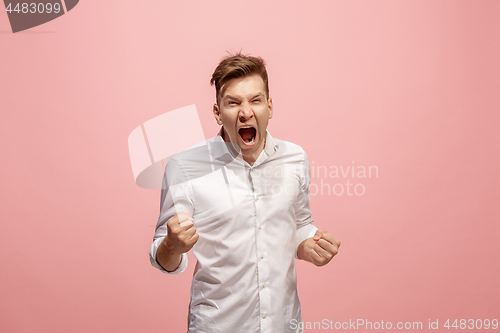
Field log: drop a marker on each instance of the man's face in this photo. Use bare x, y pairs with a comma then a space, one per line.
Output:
244, 112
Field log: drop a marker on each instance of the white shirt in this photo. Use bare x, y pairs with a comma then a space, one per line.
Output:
250, 221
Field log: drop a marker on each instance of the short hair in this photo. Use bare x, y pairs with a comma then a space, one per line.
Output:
237, 66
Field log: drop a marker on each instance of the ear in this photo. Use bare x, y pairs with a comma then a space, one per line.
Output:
270, 102
217, 114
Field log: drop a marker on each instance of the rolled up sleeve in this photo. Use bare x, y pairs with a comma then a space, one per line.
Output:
152, 257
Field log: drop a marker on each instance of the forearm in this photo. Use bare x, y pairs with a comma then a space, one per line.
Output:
167, 259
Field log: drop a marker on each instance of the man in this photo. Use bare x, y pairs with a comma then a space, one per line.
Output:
241, 201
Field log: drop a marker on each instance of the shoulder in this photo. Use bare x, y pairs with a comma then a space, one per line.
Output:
194, 162
289, 148
193, 153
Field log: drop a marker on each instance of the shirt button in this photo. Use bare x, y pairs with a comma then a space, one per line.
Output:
263, 285
260, 227
262, 256
256, 197
264, 315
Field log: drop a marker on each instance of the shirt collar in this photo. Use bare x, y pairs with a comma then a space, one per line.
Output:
271, 145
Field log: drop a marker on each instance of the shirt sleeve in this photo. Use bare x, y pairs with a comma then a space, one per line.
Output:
175, 197
305, 228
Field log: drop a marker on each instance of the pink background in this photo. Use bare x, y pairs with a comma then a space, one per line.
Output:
411, 87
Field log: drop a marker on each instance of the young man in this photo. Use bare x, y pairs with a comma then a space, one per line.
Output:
241, 201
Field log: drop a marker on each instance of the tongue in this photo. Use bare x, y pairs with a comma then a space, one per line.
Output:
247, 134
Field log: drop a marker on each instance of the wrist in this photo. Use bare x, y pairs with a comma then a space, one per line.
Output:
168, 259
304, 249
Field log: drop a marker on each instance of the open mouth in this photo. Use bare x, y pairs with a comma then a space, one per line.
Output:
247, 135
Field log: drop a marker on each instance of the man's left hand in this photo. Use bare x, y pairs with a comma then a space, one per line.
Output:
319, 249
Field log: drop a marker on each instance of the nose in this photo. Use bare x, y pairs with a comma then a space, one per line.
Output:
245, 112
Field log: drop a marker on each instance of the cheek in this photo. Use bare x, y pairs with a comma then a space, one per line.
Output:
228, 121
229, 125
263, 121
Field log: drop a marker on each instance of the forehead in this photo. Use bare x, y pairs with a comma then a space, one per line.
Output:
242, 86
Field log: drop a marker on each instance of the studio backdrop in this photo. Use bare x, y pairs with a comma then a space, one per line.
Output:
395, 102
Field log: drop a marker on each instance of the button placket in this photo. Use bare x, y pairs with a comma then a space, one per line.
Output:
262, 262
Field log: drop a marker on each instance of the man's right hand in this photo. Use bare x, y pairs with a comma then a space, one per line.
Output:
181, 238
181, 233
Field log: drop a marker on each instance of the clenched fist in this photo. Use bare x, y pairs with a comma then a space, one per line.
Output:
181, 233
319, 249
181, 238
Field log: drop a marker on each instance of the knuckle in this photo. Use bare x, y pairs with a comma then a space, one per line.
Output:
172, 221
184, 215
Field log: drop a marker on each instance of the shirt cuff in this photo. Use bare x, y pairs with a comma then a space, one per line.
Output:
304, 233
152, 257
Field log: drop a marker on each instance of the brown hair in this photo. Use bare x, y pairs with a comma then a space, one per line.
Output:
237, 66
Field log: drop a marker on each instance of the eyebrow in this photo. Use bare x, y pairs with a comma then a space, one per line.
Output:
230, 97
237, 98
258, 95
